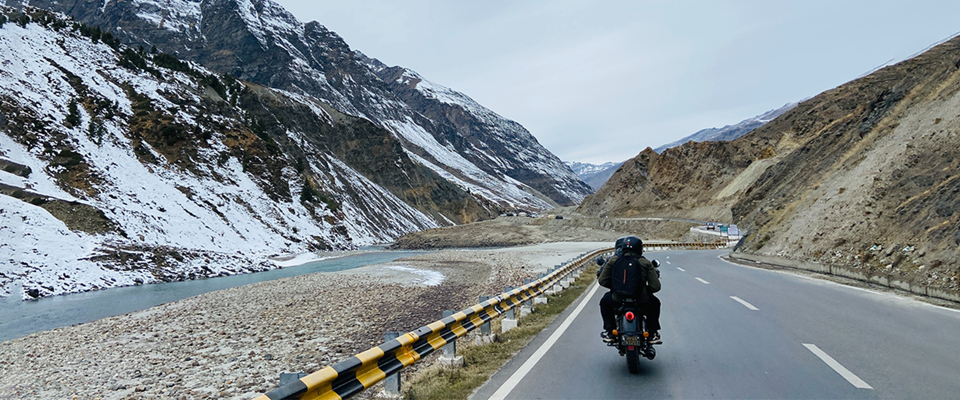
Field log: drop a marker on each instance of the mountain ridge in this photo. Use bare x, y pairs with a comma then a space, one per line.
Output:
859, 176
730, 132
259, 41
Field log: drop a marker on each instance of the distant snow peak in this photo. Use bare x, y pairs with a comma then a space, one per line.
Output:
730, 132
581, 169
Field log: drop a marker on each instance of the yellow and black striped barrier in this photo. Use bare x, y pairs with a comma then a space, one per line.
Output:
358, 373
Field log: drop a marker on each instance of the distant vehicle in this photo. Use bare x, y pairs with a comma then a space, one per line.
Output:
559, 217
710, 226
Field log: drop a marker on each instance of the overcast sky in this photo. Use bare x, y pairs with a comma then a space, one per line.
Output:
599, 81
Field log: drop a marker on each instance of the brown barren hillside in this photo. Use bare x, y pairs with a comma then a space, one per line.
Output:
865, 175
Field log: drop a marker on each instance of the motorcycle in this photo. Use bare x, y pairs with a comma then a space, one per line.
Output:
631, 333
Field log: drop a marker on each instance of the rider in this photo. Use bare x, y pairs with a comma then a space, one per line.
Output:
631, 246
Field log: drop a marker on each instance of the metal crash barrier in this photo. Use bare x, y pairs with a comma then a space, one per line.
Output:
358, 373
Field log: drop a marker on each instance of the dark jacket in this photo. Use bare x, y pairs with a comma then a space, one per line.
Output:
653, 280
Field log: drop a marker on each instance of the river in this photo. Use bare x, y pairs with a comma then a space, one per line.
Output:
21, 318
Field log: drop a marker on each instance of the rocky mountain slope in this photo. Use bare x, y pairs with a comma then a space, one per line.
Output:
593, 174
123, 166
730, 132
258, 41
864, 175
596, 175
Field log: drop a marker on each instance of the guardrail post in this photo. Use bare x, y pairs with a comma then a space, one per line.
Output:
510, 313
392, 383
485, 328
450, 349
449, 357
527, 281
541, 299
510, 319
527, 306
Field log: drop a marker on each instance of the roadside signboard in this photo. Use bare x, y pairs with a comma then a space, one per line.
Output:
733, 231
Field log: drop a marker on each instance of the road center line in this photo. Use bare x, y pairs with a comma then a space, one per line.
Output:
702, 281
668, 262
845, 373
518, 375
681, 269
745, 304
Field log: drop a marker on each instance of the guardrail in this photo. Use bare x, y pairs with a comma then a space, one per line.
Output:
685, 246
358, 373
355, 374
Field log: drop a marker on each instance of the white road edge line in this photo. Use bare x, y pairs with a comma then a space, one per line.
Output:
745, 304
702, 281
681, 269
845, 373
518, 375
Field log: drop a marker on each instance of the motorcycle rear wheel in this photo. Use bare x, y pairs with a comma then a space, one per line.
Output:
633, 361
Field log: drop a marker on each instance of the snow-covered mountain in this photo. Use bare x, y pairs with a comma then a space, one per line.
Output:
483, 153
593, 174
164, 140
122, 167
581, 169
730, 132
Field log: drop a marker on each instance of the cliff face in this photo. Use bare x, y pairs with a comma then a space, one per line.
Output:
863, 175
258, 41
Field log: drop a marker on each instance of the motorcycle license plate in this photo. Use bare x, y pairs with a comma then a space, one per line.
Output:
631, 340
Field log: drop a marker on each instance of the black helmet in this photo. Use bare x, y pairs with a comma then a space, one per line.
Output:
619, 242
618, 246
631, 243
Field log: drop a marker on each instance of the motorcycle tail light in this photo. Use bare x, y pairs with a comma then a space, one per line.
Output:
629, 316
630, 347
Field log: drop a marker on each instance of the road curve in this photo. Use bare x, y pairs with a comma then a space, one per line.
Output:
739, 332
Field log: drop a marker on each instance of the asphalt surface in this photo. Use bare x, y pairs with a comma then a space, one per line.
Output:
804, 338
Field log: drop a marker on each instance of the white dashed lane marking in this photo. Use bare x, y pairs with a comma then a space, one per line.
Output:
845, 373
681, 269
745, 304
702, 281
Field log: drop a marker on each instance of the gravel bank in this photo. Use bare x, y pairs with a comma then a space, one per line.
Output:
234, 343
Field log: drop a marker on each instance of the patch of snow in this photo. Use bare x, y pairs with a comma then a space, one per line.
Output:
300, 259
429, 278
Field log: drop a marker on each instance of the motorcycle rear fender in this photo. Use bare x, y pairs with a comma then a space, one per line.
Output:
630, 327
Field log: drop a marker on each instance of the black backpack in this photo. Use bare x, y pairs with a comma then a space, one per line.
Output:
629, 278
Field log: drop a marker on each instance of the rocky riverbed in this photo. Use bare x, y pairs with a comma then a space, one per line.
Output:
234, 343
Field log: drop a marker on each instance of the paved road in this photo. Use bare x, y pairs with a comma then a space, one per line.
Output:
788, 337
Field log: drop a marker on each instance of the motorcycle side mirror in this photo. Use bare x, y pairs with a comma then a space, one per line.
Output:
656, 263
